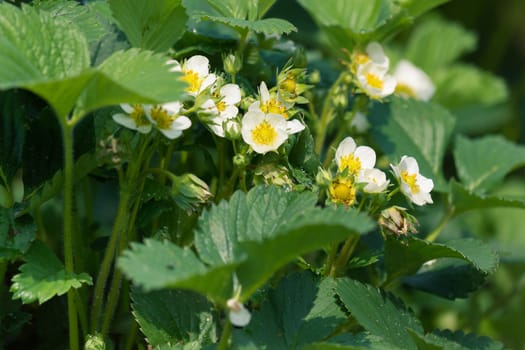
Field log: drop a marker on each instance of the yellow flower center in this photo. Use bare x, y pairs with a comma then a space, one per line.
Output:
161, 117
374, 81
275, 107
405, 90
361, 58
410, 180
342, 191
221, 106
193, 79
289, 85
264, 134
138, 116
353, 164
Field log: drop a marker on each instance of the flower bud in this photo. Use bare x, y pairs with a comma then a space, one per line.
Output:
190, 191
232, 129
314, 77
95, 342
273, 174
239, 315
17, 187
232, 64
396, 220
241, 160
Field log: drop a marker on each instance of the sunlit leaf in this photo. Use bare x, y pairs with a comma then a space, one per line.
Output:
43, 276
378, 312
446, 339
173, 316
483, 163
151, 25
413, 128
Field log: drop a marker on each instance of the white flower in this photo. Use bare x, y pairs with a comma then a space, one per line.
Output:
135, 118
373, 53
360, 122
354, 159
166, 118
222, 109
196, 72
413, 82
375, 180
239, 315
264, 132
374, 80
413, 185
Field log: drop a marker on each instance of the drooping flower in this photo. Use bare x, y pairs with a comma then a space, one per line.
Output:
374, 179
222, 107
135, 119
413, 185
196, 70
342, 190
239, 316
263, 132
374, 80
167, 119
413, 82
354, 159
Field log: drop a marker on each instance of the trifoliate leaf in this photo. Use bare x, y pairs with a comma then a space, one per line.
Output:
43, 276
15, 236
446, 339
484, 162
174, 316
378, 312
348, 341
414, 128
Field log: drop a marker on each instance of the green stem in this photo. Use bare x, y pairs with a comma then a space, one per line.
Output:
439, 228
344, 255
132, 334
225, 335
67, 133
3, 269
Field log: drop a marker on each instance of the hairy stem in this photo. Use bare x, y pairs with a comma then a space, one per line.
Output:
225, 335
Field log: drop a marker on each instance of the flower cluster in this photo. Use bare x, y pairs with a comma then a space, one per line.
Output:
370, 69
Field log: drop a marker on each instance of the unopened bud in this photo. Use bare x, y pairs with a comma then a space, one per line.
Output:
240, 160
314, 77
17, 187
95, 342
190, 191
232, 129
397, 221
232, 64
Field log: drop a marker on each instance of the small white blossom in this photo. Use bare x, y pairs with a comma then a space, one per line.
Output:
413, 82
223, 108
264, 132
360, 122
413, 185
239, 316
196, 72
374, 80
354, 159
167, 120
375, 52
135, 119
374, 179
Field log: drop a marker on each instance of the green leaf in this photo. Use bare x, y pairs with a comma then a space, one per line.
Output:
414, 128
461, 85
43, 276
12, 134
174, 316
151, 25
379, 313
464, 200
437, 43
448, 278
360, 341
132, 76
299, 311
157, 265
265, 26
271, 227
483, 163
405, 258
446, 339
15, 237
418, 7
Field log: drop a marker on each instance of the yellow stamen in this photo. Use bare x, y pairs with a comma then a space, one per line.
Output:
289, 85
161, 117
361, 58
342, 191
221, 106
138, 116
410, 180
374, 81
193, 79
405, 90
264, 134
275, 107
353, 164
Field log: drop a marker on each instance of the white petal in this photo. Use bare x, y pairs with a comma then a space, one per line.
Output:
425, 184
229, 112
294, 126
409, 164
125, 120
277, 121
252, 118
241, 317
375, 51
181, 123
418, 81
171, 133
366, 155
263, 91
389, 85
375, 180
231, 94
256, 106
346, 147
198, 64
127, 108
175, 65
209, 107
172, 107
208, 81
